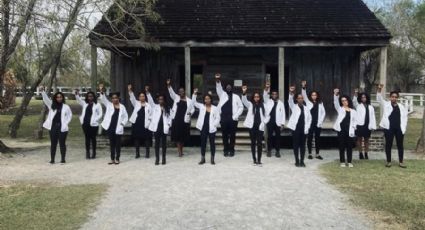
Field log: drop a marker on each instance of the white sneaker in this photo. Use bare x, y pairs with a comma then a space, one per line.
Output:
342, 165
350, 165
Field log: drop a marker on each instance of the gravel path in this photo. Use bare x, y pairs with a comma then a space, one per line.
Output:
233, 194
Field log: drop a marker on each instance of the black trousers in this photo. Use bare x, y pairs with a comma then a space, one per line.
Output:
256, 137
145, 141
229, 135
389, 138
56, 136
273, 136
90, 134
345, 145
298, 144
314, 130
205, 134
160, 140
115, 145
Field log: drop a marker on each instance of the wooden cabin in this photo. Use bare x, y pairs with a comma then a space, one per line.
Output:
292, 40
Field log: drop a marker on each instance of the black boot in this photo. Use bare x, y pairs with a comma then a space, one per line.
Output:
277, 154
212, 160
93, 156
269, 153
137, 155
156, 158
366, 156
147, 153
361, 157
87, 155
163, 159
202, 160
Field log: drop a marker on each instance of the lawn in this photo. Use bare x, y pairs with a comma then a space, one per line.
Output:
393, 197
32, 206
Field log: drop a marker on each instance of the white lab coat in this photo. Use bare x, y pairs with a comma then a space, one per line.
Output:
237, 107
66, 114
122, 116
156, 115
249, 120
137, 106
296, 113
97, 112
322, 111
388, 109
361, 114
341, 115
214, 120
280, 109
176, 99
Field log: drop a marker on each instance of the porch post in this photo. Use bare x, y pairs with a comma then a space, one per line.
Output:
383, 72
93, 75
187, 70
282, 73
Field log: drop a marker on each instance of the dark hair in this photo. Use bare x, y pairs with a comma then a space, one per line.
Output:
94, 97
166, 107
144, 93
296, 96
395, 92
207, 95
114, 93
260, 102
318, 100
55, 104
359, 98
350, 103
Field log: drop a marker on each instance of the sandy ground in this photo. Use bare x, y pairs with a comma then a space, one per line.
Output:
233, 194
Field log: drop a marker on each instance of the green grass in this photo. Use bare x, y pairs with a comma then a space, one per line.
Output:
414, 127
47, 207
394, 197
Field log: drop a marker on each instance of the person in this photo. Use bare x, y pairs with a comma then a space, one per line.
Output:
140, 118
115, 119
299, 122
57, 122
318, 115
275, 110
160, 125
230, 106
345, 125
207, 123
394, 122
90, 119
366, 122
180, 114
255, 120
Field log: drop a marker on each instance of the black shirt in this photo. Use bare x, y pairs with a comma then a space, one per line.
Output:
273, 113
314, 114
301, 119
161, 123
366, 120
345, 123
395, 117
114, 120
206, 126
226, 109
88, 114
58, 116
257, 116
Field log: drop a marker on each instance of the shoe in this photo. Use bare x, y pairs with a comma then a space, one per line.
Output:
350, 165
297, 164
147, 156
117, 162
366, 157
63, 162
51, 162
163, 162
137, 156
310, 157
342, 165
361, 157
388, 165
226, 154
259, 164
401, 165
319, 157
232, 154
93, 157
202, 161
277, 154
255, 163
156, 162
302, 165
269, 153
111, 162
212, 160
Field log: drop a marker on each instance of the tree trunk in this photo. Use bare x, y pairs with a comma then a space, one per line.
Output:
4, 148
420, 147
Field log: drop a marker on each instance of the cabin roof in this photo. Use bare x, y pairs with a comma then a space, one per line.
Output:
258, 21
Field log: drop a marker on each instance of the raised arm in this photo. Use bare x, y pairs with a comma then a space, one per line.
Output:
337, 106
173, 95
291, 97
78, 98
194, 102
379, 96
356, 94
133, 99
304, 93
218, 86
245, 101
47, 101
102, 96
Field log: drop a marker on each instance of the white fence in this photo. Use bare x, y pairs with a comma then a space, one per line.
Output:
410, 100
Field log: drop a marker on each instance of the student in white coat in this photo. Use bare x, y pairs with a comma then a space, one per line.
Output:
57, 121
255, 120
160, 125
318, 114
366, 122
299, 123
180, 114
394, 121
90, 120
275, 110
115, 119
230, 107
345, 125
208, 121
140, 118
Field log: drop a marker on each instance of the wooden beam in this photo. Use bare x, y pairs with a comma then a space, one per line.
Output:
281, 67
93, 75
383, 72
187, 70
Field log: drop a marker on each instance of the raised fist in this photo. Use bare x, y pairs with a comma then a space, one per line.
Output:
244, 89
303, 83
130, 88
